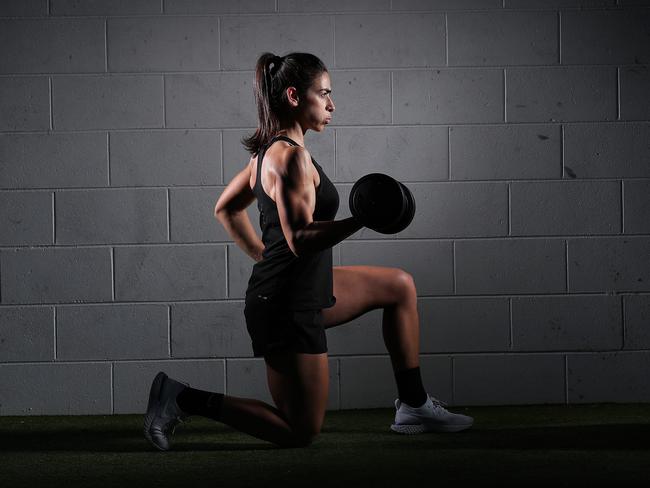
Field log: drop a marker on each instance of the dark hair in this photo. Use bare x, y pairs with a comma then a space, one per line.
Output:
273, 75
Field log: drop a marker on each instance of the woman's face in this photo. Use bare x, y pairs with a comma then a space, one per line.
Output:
315, 111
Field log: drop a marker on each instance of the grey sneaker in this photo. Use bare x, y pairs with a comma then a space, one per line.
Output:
163, 413
430, 417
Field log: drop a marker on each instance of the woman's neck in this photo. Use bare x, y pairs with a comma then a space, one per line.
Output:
294, 133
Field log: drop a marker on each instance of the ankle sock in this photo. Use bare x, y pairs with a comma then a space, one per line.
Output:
200, 402
410, 388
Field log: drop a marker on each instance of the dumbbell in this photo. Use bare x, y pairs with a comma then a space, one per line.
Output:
382, 203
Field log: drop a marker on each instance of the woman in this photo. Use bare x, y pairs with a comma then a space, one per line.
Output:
294, 293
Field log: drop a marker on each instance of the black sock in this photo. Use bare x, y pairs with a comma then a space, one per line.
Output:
409, 387
200, 402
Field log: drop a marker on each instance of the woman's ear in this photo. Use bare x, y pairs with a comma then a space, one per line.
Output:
292, 96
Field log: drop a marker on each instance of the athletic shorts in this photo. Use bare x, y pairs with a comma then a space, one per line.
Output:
273, 327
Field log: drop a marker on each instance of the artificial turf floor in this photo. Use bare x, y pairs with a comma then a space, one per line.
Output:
577, 445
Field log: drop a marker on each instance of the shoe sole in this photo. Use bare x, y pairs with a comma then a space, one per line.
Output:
410, 429
154, 394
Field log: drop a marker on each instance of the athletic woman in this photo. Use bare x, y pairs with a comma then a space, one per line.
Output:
294, 293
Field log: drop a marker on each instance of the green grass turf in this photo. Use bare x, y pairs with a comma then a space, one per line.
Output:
577, 445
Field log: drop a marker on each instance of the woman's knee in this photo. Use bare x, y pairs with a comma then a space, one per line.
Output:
404, 284
305, 436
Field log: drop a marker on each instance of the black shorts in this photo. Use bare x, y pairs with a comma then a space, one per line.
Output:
273, 327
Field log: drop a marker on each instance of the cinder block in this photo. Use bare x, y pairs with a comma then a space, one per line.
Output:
107, 102
220, 7
429, 262
26, 218
448, 96
446, 210
605, 37
369, 382
26, 334
210, 100
502, 38
52, 46
53, 160
247, 378
332, 5
619, 377
240, 267
170, 272
163, 44
635, 100
55, 275
509, 379
464, 325
101, 7
111, 216
558, 4
609, 264
510, 266
505, 152
132, 380
244, 38
112, 332
209, 330
552, 94
236, 158
361, 97
405, 153
636, 196
24, 103
192, 215
166, 158
379, 40
616, 150
362, 335
23, 8
566, 323
637, 317
565, 208
55, 389
445, 4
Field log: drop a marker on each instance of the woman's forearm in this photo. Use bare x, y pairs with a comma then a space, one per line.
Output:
239, 227
321, 235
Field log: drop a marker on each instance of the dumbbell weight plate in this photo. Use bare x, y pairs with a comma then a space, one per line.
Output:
382, 203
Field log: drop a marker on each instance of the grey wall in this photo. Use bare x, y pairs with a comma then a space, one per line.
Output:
521, 126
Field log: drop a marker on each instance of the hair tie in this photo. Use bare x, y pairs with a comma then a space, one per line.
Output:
276, 61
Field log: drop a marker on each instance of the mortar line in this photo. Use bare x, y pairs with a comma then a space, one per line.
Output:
54, 218
566, 379
106, 45
113, 273
108, 156
169, 330
221, 155
49, 87
169, 216
227, 280
55, 336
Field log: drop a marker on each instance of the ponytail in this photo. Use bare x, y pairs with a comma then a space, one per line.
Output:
273, 75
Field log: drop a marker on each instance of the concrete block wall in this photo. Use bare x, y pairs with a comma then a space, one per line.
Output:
521, 126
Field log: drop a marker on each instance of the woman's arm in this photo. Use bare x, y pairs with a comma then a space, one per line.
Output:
230, 210
295, 197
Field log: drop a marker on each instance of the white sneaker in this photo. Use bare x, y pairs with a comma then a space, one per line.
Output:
163, 413
430, 417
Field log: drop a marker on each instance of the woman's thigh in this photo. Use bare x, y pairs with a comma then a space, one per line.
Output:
299, 385
359, 289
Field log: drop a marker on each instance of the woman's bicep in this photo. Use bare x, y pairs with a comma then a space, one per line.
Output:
294, 196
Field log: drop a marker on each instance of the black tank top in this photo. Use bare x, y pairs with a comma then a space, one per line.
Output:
296, 282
